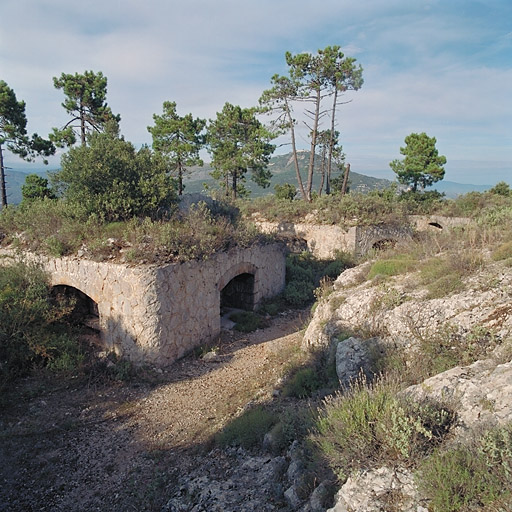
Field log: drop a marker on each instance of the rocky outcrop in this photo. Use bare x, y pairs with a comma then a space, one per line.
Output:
379, 489
395, 309
353, 358
479, 392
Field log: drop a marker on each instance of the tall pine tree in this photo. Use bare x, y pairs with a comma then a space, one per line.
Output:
178, 140
13, 134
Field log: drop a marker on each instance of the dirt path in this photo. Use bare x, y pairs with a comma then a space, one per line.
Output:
122, 447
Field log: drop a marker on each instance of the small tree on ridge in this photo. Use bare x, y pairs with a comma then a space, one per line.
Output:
422, 165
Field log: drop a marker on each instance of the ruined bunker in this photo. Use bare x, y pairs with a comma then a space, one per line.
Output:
156, 314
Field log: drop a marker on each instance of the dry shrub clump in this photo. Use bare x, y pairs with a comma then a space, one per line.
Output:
58, 228
475, 476
370, 425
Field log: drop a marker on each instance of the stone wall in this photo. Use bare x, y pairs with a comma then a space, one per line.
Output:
323, 241
157, 314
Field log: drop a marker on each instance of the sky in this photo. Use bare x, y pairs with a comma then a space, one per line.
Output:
441, 67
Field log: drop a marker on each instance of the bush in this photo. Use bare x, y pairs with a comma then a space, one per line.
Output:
63, 227
247, 430
31, 330
302, 383
470, 477
391, 267
294, 424
304, 274
285, 191
113, 180
247, 321
370, 425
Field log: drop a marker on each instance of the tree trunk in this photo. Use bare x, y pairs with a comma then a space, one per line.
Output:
322, 173
82, 125
180, 179
295, 159
233, 190
313, 146
331, 142
345, 180
3, 189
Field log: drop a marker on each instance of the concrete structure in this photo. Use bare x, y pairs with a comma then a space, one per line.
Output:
324, 240
156, 314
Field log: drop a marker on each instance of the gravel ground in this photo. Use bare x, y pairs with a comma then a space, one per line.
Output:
80, 445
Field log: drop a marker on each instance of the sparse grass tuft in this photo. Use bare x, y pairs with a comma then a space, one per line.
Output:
503, 252
391, 267
247, 430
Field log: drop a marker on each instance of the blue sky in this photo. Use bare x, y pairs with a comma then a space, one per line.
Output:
440, 67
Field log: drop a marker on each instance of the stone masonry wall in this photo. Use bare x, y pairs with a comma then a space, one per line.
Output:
156, 314
324, 240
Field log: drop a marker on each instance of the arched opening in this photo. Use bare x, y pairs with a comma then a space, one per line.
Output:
385, 243
238, 293
435, 225
82, 310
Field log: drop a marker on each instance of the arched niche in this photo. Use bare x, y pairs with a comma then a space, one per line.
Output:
237, 287
82, 308
238, 292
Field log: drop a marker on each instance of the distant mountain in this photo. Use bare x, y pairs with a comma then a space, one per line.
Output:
283, 171
452, 189
14, 181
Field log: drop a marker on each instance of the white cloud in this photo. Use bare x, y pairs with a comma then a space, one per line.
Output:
418, 73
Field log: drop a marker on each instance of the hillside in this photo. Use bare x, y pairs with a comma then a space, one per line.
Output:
283, 171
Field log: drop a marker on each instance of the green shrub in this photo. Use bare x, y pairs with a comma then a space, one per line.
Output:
247, 321
285, 191
304, 274
341, 262
299, 293
302, 383
294, 424
247, 430
502, 188
369, 425
62, 227
271, 307
391, 267
31, 328
470, 477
